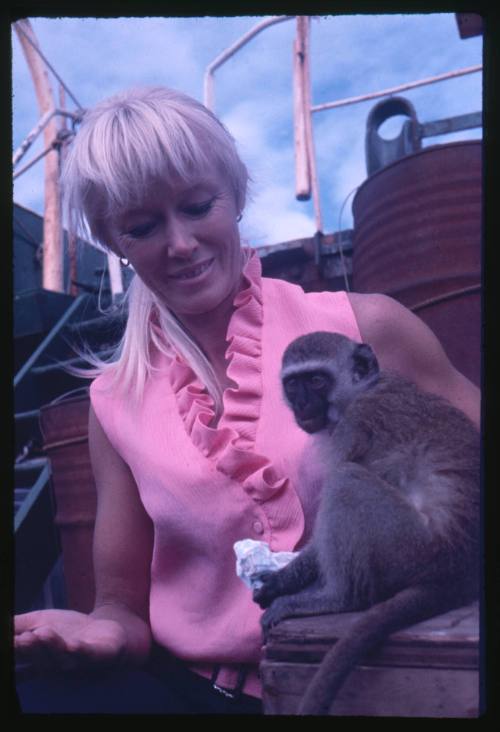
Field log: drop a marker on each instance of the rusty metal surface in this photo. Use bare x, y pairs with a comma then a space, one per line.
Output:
64, 429
417, 238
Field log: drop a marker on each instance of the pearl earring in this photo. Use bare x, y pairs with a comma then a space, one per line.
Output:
124, 261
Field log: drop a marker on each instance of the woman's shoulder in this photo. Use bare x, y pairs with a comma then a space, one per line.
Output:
289, 311
295, 292
106, 382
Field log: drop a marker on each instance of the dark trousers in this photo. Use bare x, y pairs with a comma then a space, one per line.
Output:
163, 686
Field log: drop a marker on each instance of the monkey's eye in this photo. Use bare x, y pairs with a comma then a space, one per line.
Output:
318, 381
290, 385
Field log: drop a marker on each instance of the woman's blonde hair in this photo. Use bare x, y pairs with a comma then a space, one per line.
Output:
124, 144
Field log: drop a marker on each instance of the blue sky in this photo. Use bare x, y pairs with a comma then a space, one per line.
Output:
350, 55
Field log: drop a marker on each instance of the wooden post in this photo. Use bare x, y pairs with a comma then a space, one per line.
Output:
300, 96
52, 239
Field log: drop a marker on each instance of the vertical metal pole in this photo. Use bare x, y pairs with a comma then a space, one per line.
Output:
52, 239
302, 169
115, 275
72, 256
309, 126
208, 91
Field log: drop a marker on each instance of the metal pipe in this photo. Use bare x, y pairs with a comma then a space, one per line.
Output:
48, 339
300, 112
309, 129
34, 492
452, 124
208, 94
41, 124
33, 161
396, 89
115, 275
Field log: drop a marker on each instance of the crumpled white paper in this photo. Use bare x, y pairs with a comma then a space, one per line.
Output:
253, 557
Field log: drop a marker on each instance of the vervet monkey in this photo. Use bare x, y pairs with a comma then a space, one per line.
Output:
397, 530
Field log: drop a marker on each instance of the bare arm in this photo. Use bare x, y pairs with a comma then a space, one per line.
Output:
404, 343
117, 630
123, 544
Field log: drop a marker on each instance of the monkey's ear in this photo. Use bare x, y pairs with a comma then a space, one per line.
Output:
365, 364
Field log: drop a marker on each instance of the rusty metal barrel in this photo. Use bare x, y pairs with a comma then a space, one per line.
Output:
417, 238
65, 432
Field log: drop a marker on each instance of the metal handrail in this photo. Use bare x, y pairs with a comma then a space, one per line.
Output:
26, 367
223, 57
307, 107
33, 494
396, 89
38, 128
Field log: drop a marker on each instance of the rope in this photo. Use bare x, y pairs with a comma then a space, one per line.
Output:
341, 244
472, 289
19, 28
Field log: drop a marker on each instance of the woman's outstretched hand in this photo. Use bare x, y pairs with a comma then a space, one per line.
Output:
68, 640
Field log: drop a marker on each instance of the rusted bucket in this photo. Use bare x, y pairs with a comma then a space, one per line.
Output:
65, 432
417, 238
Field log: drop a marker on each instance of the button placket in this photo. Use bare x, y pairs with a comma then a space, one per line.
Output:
258, 527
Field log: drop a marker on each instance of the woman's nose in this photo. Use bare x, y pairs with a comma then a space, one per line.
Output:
180, 240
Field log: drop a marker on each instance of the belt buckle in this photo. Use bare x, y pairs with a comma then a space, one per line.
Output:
229, 693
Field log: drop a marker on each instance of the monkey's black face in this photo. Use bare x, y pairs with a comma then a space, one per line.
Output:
307, 394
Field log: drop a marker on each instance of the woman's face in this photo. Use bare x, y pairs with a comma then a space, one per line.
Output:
183, 242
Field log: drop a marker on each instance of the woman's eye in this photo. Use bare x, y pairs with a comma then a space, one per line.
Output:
198, 209
141, 230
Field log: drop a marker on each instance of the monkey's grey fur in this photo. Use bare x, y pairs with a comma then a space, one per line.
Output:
397, 531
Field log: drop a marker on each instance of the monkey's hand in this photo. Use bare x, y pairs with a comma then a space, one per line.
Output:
279, 609
269, 590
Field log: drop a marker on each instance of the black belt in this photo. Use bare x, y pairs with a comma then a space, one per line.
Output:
161, 662
240, 682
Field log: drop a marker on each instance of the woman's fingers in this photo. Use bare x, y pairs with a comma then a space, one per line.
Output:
71, 646
42, 647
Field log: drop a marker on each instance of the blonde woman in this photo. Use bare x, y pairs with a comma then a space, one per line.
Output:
192, 446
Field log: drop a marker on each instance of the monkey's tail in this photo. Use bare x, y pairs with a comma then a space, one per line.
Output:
407, 607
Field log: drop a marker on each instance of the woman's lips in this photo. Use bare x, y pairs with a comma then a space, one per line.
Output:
191, 273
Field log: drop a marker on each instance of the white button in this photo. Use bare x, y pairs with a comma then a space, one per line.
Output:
258, 527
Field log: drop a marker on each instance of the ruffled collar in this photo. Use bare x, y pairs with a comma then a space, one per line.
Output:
231, 443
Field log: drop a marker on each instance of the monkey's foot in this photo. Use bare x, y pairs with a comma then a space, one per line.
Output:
279, 610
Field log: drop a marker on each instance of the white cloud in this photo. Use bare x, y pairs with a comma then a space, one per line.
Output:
351, 54
274, 216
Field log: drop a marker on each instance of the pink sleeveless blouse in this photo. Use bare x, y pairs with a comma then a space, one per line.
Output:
206, 488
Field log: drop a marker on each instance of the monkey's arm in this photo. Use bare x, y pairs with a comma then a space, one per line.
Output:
403, 343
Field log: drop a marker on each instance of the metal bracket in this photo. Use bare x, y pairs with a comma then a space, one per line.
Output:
380, 152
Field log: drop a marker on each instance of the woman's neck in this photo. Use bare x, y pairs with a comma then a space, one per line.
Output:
209, 330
